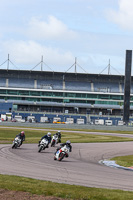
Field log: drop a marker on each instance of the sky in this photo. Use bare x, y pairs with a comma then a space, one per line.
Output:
85, 36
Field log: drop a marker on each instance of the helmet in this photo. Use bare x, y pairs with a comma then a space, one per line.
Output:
68, 142
58, 133
22, 132
48, 134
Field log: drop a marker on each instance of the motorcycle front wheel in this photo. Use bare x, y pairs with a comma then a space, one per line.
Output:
61, 157
40, 149
53, 143
13, 146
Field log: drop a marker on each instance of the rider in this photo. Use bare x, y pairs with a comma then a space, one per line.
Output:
59, 136
68, 144
21, 136
48, 137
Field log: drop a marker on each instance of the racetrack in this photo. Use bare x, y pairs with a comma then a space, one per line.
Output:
81, 168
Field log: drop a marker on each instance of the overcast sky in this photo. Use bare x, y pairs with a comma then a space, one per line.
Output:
92, 31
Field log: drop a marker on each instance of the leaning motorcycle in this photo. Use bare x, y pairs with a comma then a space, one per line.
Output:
16, 143
61, 153
54, 140
42, 145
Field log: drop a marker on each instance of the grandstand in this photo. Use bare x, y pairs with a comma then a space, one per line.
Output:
59, 92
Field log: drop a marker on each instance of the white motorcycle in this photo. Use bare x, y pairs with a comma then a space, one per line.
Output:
16, 142
54, 140
61, 153
42, 145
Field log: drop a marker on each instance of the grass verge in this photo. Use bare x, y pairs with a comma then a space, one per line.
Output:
125, 161
68, 129
33, 136
65, 191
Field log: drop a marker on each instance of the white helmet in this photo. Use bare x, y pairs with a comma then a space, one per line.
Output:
58, 131
48, 134
68, 142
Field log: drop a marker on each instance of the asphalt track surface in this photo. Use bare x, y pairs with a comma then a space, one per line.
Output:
81, 168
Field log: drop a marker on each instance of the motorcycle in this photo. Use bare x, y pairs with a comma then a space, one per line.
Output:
42, 145
16, 143
54, 140
61, 153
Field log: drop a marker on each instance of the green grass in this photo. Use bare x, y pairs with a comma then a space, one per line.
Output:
74, 129
65, 191
126, 161
33, 136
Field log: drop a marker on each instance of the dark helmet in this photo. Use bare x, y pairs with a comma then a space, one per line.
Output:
68, 142
22, 133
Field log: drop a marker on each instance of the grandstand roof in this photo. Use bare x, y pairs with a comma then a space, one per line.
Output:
60, 75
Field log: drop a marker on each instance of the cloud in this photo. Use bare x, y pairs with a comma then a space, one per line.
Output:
53, 29
124, 15
46, 39
30, 53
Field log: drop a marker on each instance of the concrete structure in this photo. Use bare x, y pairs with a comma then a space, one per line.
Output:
60, 94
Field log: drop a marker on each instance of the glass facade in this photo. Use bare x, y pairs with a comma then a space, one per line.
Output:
62, 97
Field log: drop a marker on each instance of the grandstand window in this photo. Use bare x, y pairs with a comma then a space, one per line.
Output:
92, 96
80, 101
76, 101
116, 97
84, 95
46, 99
78, 95
90, 102
12, 92
66, 100
34, 93
69, 95
32, 99
47, 94
2, 97
131, 98
58, 94
57, 100
71, 101
23, 92
3, 91
104, 96
14, 98
107, 102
